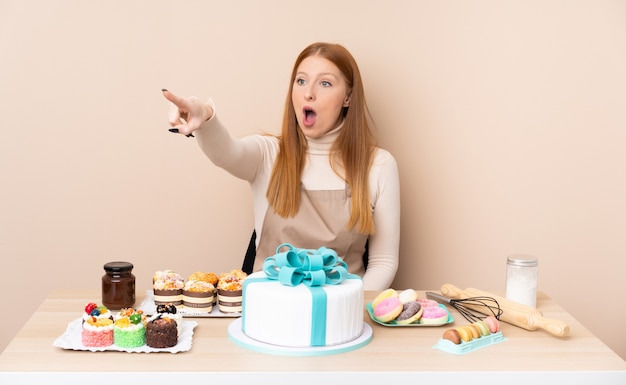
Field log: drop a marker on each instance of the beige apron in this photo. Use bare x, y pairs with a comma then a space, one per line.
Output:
320, 221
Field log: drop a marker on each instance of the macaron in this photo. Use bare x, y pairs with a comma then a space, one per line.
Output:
383, 295
474, 330
411, 312
483, 327
493, 323
388, 309
464, 333
452, 335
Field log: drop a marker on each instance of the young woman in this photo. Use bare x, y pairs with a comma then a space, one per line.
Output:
323, 181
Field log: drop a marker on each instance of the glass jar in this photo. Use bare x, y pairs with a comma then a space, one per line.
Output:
118, 285
521, 279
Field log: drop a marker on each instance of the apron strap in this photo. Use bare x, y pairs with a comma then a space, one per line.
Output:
248, 260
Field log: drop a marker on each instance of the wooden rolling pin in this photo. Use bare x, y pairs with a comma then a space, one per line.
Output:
513, 313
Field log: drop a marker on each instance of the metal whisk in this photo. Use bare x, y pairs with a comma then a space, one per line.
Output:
473, 308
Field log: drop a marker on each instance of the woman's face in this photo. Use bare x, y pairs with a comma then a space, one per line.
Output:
319, 93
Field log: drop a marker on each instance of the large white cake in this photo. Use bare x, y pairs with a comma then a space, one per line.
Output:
302, 316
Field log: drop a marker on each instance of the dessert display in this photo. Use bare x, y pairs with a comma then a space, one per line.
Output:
288, 305
168, 288
128, 329
202, 294
466, 338
404, 308
97, 326
229, 291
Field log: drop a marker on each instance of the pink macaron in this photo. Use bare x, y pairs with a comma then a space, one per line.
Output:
493, 323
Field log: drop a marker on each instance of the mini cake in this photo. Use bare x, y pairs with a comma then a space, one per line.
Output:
128, 329
161, 332
168, 288
97, 332
229, 291
198, 295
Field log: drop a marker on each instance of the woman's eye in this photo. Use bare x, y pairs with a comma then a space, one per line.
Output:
326, 83
300, 81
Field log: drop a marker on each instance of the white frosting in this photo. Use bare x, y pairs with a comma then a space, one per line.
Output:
282, 315
94, 328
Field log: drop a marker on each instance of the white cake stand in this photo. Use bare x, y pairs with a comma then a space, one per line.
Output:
240, 338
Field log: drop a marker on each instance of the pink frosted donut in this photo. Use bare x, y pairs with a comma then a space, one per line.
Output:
388, 309
434, 315
492, 322
428, 303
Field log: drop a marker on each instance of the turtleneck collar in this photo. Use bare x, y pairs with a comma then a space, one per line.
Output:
323, 144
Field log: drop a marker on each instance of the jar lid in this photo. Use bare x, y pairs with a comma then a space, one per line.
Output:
522, 260
118, 266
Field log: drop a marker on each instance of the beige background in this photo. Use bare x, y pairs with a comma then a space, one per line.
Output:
507, 119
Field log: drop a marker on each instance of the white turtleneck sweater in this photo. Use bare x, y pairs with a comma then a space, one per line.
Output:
251, 158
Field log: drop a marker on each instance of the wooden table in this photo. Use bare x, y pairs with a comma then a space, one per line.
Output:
395, 354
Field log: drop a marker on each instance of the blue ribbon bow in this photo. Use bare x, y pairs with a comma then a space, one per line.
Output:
307, 266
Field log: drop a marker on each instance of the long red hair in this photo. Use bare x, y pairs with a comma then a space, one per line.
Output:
352, 152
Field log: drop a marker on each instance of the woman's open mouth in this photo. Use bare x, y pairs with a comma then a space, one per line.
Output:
309, 116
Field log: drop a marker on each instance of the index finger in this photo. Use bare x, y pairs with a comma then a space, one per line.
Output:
178, 101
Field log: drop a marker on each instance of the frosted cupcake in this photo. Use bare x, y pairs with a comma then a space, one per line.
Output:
208, 277
168, 288
229, 291
198, 296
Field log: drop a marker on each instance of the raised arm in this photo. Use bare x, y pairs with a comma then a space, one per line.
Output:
240, 157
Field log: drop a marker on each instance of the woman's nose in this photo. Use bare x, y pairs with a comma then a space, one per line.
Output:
309, 94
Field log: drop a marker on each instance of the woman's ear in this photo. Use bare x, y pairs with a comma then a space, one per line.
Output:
346, 100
